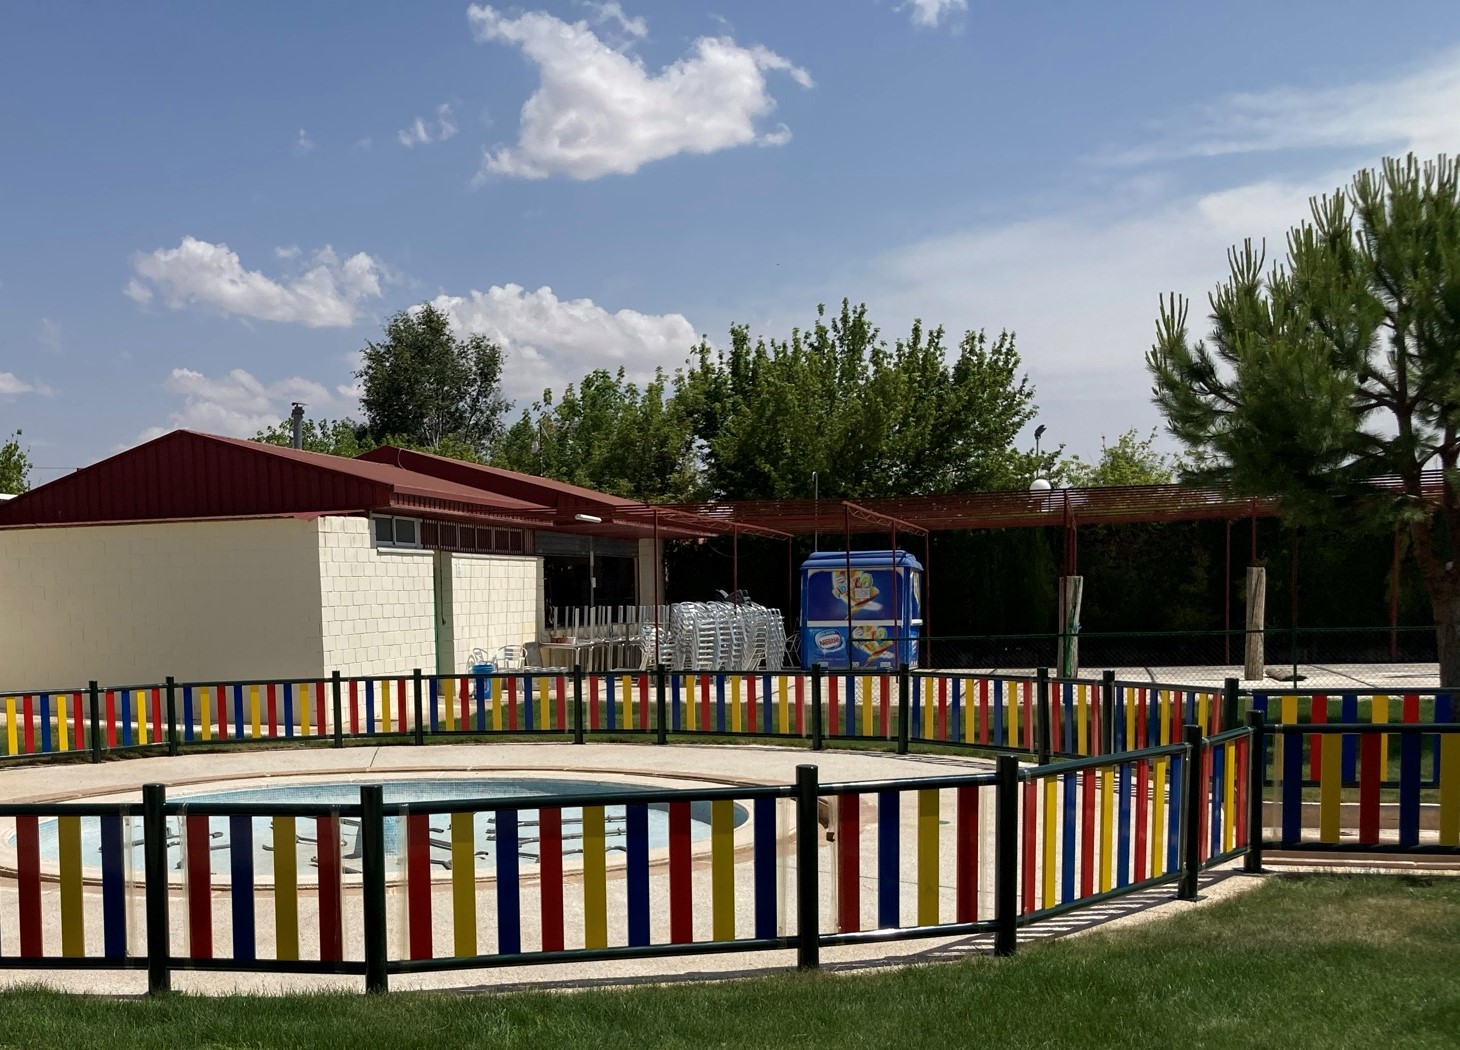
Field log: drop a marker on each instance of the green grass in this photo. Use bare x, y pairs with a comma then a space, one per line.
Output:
1319, 962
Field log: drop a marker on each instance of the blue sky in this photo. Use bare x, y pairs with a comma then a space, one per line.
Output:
206, 209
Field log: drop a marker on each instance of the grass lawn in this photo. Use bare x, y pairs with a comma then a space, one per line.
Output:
1326, 962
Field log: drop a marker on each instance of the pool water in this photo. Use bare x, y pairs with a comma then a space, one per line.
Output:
261, 830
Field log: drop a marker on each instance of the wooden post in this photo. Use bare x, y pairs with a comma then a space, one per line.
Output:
1256, 607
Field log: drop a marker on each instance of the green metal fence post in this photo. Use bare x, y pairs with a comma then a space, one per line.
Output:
904, 707
154, 848
808, 888
1256, 765
816, 672
1006, 857
661, 708
1107, 712
1191, 795
577, 703
420, 728
1041, 729
372, 873
93, 695
172, 734
1231, 691
336, 694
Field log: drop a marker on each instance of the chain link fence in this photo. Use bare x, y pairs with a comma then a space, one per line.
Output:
1358, 657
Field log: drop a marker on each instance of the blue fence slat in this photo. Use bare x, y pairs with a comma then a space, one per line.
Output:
113, 888
765, 867
1067, 844
1348, 714
240, 855
509, 901
1292, 830
888, 874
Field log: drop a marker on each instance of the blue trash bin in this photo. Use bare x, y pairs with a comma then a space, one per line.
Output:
484, 686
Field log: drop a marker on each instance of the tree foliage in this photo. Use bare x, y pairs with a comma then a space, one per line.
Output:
1337, 366
425, 387
14, 465
1132, 460
607, 434
334, 437
870, 419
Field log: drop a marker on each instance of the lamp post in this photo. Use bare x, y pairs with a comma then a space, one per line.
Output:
816, 497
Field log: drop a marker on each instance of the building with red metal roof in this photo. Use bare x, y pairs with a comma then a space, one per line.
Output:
199, 556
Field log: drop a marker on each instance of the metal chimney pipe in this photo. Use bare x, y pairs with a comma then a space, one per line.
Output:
296, 418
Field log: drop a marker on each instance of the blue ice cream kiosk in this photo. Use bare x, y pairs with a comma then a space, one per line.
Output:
885, 592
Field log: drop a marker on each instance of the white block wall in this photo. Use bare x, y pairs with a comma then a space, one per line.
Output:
651, 561
498, 600
377, 606
131, 604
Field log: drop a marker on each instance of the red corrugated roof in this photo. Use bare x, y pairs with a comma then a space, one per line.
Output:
543, 491
187, 475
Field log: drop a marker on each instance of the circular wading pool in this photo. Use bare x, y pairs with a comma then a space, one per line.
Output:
259, 836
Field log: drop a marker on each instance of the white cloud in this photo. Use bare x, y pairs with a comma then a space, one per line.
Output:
330, 293
1417, 111
11, 385
287, 252
1080, 285
929, 13
49, 335
613, 12
423, 133
599, 111
551, 341
303, 143
240, 405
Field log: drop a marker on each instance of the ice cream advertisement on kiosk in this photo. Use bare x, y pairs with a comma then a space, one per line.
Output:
878, 599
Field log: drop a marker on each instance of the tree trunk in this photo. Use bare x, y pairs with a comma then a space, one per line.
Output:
1447, 636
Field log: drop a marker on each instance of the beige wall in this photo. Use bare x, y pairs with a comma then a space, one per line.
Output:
377, 606
498, 600
650, 561
131, 604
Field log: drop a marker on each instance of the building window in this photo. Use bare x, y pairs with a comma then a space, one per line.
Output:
465, 539
397, 532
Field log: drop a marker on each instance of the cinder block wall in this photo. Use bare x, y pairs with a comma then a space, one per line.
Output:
498, 600
131, 604
377, 606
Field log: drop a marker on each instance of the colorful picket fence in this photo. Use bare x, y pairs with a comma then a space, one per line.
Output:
637, 870
1401, 793
1358, 708
922, 848
1096, 827
369, 890
55, 919
284, 872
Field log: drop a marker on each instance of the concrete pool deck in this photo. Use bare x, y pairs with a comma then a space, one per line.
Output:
668, 766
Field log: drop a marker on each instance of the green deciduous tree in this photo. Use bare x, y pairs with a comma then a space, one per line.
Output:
871, 419
1337, 366
335, 437
14, 465
1132, 460
607, 434
426, 387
